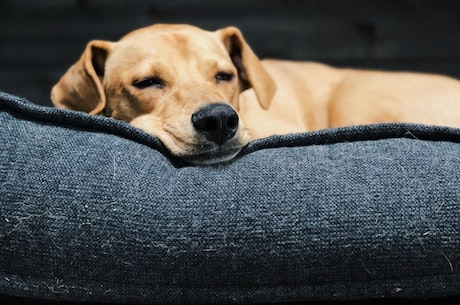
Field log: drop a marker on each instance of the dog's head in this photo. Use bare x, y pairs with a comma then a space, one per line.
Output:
176, 82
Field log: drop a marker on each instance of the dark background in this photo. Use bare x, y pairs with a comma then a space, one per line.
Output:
40, 39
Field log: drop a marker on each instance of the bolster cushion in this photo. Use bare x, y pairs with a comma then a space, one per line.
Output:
92, 209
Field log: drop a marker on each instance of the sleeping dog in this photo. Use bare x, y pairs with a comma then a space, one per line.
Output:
205, 94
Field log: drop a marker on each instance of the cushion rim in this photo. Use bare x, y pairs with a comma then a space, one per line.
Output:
371, 132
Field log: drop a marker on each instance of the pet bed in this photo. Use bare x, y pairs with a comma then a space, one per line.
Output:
92, 209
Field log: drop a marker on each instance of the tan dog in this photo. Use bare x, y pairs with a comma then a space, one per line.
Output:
185, 85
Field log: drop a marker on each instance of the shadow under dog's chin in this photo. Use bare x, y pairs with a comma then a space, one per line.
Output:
212, 157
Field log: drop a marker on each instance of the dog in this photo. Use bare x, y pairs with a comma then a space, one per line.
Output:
205, 94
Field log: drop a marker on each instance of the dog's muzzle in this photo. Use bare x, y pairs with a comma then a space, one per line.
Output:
217, 122
216, 126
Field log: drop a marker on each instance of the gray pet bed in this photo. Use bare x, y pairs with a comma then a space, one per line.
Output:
92, 209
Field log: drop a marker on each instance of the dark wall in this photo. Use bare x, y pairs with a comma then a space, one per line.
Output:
40, 39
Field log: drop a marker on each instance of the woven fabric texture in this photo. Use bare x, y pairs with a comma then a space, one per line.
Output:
92, 209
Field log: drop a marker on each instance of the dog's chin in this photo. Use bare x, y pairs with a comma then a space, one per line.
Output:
199, 151
211, 157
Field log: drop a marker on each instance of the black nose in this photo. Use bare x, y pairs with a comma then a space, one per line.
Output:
217, 122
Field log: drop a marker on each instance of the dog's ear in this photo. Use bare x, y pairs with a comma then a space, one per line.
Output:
251, 72
80, 88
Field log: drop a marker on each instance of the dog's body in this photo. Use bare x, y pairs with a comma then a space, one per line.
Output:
314, 96
206, 94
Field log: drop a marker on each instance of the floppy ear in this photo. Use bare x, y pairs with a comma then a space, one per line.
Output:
250, 70
80, 88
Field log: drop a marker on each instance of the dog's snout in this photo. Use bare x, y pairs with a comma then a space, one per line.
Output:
217, 122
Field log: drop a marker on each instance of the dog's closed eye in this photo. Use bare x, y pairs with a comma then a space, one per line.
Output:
154, 82
224, 77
